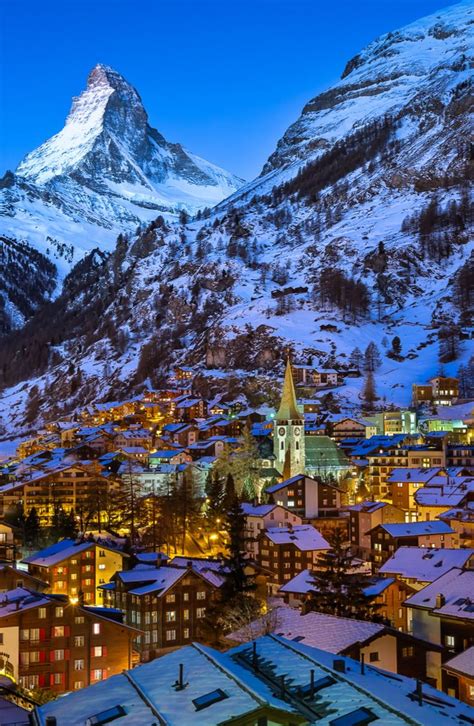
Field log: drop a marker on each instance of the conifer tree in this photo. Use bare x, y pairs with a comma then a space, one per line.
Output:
369, 394
32, 529
336, 589
396, 345
372, 358
356, 359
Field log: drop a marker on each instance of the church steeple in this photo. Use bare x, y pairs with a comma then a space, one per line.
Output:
288, 410
288, 431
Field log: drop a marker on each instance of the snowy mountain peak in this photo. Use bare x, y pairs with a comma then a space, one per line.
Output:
108, 105
106, 172
392, 73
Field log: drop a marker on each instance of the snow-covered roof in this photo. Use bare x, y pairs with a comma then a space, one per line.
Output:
305, 537
457, 590
462, 663
257, 510
418, 475
159, 580
210, 569
300, 584
20, 599
416, 529
423, 564
165, 453
367, 506
61, 551
57, 552
221, 687
443, 492
318, 630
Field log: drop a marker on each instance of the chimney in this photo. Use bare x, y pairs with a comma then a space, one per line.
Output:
440, 600
50, 721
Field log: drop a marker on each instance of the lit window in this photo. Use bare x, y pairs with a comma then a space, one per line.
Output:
200, 612
171, 635
170, 616
79, 664
59, 612
97, 651
58, 654
78, 685
450, 641
78, 641
96, 628
201, 595
58, 631
97, 674
170, 598
42, 613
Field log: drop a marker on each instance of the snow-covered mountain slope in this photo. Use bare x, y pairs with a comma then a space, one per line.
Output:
359, 230
107, 171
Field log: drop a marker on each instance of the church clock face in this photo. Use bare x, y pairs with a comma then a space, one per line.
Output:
297, 431
281, 431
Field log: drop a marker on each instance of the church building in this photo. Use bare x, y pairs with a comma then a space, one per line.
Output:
288, 431
299, 449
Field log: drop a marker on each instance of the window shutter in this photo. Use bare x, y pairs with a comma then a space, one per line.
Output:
42, 634
42, 680
104, 651
92, 651
67, 631
67, 654
51, 656
42, 656
51, 679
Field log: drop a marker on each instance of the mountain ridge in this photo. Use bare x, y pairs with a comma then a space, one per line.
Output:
109, 169
363, 240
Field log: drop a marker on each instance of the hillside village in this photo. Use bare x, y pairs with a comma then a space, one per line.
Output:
128, 528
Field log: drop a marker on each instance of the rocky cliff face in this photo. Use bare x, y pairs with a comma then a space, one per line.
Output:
107, 171
358, 230
410, 73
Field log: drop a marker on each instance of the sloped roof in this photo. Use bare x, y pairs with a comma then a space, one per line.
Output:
288, 409
305, 537
425, 564
148, 693
415, 529
462, 663
457, 589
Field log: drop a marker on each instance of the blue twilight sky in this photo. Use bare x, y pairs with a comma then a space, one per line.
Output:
223, 77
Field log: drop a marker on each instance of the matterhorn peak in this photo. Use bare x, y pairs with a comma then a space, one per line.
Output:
110, 169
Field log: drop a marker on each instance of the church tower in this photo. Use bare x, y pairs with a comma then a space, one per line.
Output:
288, 431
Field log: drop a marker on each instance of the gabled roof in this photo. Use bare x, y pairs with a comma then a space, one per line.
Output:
222, 687
257, 510
425, 564
305, 537
414, 529
367, 506
64, 549
457, 590
420, 475
462, 663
